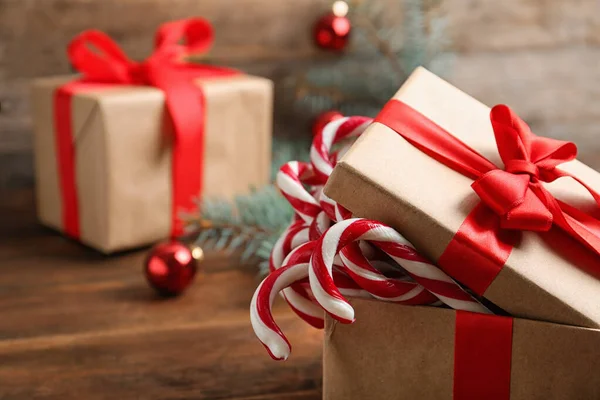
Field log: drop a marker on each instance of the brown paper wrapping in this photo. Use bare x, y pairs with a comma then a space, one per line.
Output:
383, 177
404, 352
123, 159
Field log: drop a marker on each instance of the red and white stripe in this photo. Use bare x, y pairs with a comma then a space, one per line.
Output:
396, 246
293, 236
290, 181
293, 272
334, 211
334, 132
261, 317
354, 262
396, 290
299, 296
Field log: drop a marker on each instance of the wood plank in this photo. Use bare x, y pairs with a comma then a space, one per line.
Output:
89, 296
77, 324
175, 362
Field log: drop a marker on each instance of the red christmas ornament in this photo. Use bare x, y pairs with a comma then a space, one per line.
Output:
323, 119
332, 30
170, 268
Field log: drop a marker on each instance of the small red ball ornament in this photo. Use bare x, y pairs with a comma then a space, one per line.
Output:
323, 119
170, 267
332, 30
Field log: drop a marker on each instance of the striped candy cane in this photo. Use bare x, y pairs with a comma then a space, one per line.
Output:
293, 236
299, 297
289, 181
358, 267
396, 246
334, 132
353, 262
323, 160
294, 271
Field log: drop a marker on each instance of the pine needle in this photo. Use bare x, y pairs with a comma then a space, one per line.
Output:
251, 223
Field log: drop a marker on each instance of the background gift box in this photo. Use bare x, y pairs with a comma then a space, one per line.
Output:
124, 150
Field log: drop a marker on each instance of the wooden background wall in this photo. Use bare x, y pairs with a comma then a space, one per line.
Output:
540, 56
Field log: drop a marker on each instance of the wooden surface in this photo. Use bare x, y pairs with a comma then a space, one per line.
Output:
78, 325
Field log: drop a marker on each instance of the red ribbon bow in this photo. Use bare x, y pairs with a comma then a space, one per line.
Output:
100, 60
513, 199
516, 193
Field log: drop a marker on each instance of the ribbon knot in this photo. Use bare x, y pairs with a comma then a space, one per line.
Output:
522, 167
515, 194
138, 73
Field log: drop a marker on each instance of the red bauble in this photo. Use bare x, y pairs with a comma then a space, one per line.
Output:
332, 31
323, 119
170, 268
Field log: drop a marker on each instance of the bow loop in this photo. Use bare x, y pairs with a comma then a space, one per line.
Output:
195, 33
524, 152
99, 58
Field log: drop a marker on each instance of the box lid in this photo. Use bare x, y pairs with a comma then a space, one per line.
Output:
383, 177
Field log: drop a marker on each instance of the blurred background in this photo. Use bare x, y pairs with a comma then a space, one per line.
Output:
539, 56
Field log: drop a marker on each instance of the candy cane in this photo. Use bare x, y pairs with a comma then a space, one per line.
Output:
359, 268
380, 286
289, 181
294, 235
294, 271
397, 247
265, 328
332, 133
333, 210
323, 161
299, 297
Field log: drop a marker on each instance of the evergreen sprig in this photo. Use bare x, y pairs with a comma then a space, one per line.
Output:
389, 40
388, 43
251, 223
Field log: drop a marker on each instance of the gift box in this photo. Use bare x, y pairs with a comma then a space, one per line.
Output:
516, 234
413, 352
124, 149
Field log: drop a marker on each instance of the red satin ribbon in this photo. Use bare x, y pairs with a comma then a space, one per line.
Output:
482, 356
100, 61
513, 199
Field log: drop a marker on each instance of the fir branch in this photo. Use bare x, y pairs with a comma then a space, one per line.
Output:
251, 223
384, 51
381, 45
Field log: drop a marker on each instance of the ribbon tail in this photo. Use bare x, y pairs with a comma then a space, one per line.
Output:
65, 155
581, 226
562, 174
186, 107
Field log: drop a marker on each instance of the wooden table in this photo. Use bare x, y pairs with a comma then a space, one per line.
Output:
78, 325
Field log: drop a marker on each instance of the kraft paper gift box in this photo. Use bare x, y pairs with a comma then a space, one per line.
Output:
123, 156
407, 352
548, 276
